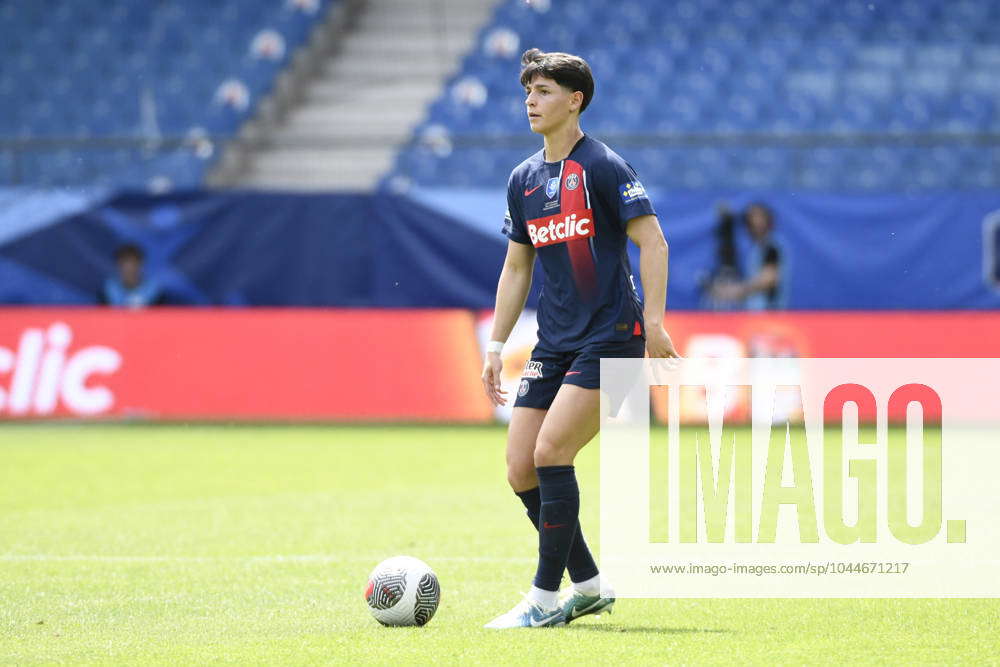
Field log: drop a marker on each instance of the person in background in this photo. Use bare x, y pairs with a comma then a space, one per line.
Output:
727, 266
130, 288
762, 288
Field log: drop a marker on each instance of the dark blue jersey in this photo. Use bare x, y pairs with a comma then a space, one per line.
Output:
575, 212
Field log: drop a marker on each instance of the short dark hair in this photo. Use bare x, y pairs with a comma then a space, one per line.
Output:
569, 71
129, 250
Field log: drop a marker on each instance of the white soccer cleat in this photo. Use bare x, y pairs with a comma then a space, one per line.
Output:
528, 614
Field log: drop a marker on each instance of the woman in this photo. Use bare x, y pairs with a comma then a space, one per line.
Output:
575, 203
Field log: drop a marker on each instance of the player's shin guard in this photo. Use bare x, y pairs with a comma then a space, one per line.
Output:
558, 518
580, 565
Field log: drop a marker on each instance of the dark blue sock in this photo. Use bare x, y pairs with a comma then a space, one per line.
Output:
558, 518
581, 565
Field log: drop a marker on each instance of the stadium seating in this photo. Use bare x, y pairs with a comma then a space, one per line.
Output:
844, 93
96, 72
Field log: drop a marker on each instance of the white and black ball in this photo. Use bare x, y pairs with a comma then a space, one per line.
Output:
403, 591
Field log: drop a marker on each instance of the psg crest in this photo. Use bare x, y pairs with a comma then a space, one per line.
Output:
572, 182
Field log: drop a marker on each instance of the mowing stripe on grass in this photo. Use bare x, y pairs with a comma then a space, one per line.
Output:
289, 558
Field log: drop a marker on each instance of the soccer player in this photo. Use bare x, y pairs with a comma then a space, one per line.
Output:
575, 203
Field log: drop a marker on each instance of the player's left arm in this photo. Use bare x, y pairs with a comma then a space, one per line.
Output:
645, 232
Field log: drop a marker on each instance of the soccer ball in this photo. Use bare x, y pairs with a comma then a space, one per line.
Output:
402, 591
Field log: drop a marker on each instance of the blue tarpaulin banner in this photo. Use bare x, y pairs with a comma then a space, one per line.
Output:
441, 249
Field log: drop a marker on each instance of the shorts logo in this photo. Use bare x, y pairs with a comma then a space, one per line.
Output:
631, 191
522, 390
552, 187
571, 225
532, 370
572, 182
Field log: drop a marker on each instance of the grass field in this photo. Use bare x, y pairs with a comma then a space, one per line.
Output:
252, 544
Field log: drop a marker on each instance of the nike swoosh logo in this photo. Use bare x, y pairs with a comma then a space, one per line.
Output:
573, 372
539, 623
548, 525
580, 612
527, 193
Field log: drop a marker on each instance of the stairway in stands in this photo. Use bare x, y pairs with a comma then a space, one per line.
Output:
369, 95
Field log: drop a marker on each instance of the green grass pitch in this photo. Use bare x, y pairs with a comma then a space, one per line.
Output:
252, 544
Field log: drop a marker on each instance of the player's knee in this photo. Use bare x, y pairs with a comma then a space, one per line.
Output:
521, 474
548, 452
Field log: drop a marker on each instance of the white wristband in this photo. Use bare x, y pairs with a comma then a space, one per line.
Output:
494, 346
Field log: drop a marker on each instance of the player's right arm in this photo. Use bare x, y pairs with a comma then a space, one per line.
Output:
512, 293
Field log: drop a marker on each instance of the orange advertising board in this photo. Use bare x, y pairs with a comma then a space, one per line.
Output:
370, 365
240, 364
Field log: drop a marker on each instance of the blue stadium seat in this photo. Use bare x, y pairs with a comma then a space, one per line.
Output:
970, 113
978, 167
786, 67
109, 54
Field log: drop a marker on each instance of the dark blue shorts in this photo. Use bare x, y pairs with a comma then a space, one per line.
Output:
547, 371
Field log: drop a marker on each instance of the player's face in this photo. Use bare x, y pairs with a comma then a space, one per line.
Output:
549, 105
